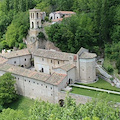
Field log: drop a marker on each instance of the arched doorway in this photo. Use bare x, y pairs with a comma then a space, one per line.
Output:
22, 66
70, 80
42, 70
61, 102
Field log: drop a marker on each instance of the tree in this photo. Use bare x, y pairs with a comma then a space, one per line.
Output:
7, 89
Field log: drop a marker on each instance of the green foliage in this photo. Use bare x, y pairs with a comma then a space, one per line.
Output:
70, 34
18, 29
7, 89
41, 35
22, 45
97, 109
9, 114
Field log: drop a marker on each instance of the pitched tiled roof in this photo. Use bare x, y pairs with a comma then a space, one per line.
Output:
34, 10
57, 20
17, 53
87, 55
65, 12
52, 54
66, 67
3, 60
54, 79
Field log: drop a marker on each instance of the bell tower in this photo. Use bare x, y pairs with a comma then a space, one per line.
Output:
36, 16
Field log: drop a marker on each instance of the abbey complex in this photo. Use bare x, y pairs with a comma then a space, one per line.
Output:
43, 73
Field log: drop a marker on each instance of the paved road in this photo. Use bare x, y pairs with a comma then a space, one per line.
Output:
97, 89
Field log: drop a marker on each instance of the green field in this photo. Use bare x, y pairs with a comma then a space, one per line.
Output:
23, 103
92, 93
103, 85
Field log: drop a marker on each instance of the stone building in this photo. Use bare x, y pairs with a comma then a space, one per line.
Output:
80, 66
55, 71
60, 14
19, 58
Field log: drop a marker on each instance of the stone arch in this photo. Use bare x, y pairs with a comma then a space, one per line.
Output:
22, 65
37, 24
51, 18
37, 15
32, 24
33, 15
70, 80
61, 102
42, 70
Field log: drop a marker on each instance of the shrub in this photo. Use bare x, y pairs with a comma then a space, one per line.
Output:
110, 69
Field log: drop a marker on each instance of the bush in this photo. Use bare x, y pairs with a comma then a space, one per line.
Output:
41, 35
110, 69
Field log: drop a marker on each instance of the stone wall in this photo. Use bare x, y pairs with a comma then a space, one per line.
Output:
78, 98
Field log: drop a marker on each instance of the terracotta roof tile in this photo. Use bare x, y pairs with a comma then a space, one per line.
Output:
17, 53
54, 79
3, 60
65, 12
52, 54
66, 67
57, 20
87, 55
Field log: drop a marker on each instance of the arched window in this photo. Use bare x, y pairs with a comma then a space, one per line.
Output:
37, 24
37, 16
33, 15
32, 24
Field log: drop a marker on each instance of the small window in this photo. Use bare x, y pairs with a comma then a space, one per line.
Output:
25, 80
18, 78
25, 59
51, 61
51, 94
42, 59
33, 82
29, 81
51, 88
58, 62
41, 84
37, 83
14, 62
15, 77
46, 86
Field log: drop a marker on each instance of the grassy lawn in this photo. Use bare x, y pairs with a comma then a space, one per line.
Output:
102, 84
92, 93
23, 103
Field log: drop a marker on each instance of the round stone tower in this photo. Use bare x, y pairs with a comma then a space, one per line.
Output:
87, 66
